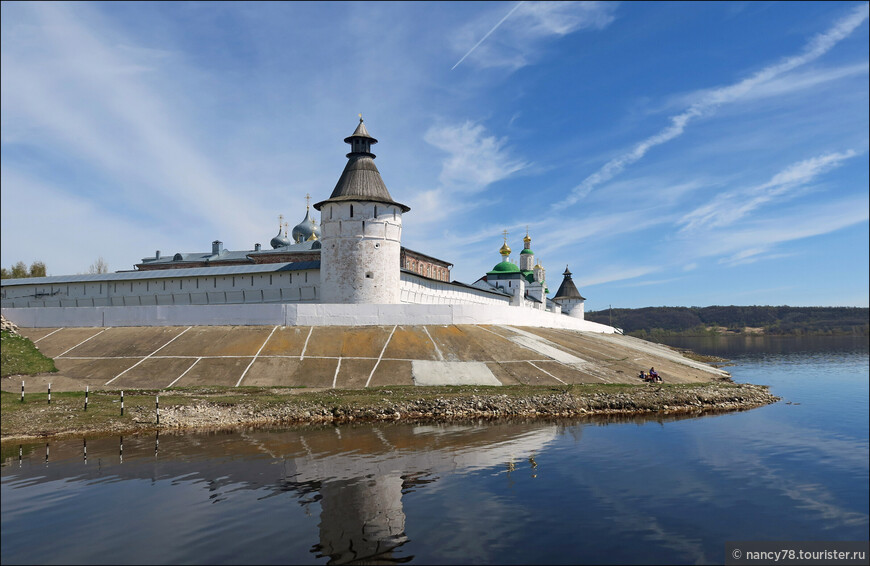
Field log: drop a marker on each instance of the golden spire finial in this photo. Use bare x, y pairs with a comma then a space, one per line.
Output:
307, 200
505, 249
285, 229
360, 117
280, 221
528, 238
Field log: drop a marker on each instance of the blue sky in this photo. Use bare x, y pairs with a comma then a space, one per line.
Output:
669, 153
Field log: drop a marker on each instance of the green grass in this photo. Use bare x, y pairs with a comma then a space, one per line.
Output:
21, 357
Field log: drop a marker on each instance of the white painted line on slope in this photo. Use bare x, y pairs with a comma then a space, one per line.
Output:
82, 342
185, 372
335, 377
244, 373
305, 347
437, 350
548, 373
49, 334
384, 349
149, 355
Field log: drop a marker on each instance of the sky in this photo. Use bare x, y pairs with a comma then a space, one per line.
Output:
670, 154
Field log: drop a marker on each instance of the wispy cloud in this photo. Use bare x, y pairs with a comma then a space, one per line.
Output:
730, 207
521, 36
712, 99
474, 160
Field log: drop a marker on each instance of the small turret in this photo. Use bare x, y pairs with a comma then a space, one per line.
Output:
569, 298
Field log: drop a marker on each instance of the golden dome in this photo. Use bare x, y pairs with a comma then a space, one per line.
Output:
505, 250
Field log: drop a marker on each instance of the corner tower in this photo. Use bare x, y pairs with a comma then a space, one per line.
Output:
569, 298
361, 231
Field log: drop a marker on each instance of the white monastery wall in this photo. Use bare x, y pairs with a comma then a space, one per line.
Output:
277, 287
421, 291
359, 257
298, 314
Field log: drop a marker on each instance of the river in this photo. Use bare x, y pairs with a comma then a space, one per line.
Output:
629, 490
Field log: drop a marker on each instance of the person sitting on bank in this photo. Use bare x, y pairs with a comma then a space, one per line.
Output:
652, 374
642, 376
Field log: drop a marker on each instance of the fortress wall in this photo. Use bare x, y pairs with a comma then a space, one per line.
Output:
293, 315
279, 287
419, 291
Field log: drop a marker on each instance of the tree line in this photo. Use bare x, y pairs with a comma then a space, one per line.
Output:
37, 269
700, 321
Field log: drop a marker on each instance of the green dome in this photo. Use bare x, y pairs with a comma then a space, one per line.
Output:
527, 251
505, 267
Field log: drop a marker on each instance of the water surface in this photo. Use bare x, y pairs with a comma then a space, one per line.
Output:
654, 490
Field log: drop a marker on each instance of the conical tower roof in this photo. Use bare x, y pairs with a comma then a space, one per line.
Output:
567, 290
361, 180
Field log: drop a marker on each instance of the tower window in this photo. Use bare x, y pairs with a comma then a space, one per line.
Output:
351, 211
370, 275
376, 212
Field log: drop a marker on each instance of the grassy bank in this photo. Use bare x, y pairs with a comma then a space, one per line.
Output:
21, 357
228, 407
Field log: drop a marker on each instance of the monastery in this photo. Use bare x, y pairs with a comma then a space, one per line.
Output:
350, 269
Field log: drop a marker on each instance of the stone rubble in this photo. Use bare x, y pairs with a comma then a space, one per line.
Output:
707, 398
8, 325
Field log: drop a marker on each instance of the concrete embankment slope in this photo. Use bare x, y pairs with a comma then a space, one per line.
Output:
347, 357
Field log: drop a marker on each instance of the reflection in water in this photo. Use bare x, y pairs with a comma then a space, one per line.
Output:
356, 474
621, 489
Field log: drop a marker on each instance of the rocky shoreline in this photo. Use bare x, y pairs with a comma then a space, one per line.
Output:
398, 404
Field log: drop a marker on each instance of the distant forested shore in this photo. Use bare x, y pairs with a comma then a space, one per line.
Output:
718, 320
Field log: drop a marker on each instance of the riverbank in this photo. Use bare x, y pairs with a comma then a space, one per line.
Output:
227, 408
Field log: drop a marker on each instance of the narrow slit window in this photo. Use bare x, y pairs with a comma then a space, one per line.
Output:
351, 211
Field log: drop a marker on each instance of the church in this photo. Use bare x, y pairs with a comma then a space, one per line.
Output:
353, 256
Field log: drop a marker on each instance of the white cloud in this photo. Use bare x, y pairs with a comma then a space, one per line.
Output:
712, 99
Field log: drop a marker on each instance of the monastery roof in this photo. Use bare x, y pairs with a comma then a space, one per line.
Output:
361, 180
504, 267
567, 290
167, 273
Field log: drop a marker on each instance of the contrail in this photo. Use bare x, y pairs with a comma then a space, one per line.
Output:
495, 27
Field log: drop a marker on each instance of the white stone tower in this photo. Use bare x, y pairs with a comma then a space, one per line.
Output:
361, 231
569, 298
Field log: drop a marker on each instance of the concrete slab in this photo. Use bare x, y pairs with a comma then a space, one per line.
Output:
127, 341
458, 343
392, 372
427, 372
286, 341
93, 372
353, 374
543, 346
219, 341
314, 372
269, 372
361, 342
61, 341
215, 371
153, 373
410, 343
523, 373
570, 374
34, 334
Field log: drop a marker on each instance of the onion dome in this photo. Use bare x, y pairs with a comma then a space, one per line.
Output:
505, 267
361, 181
505, 250
303, 231
280, 240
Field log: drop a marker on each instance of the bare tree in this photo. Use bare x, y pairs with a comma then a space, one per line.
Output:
99, 266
